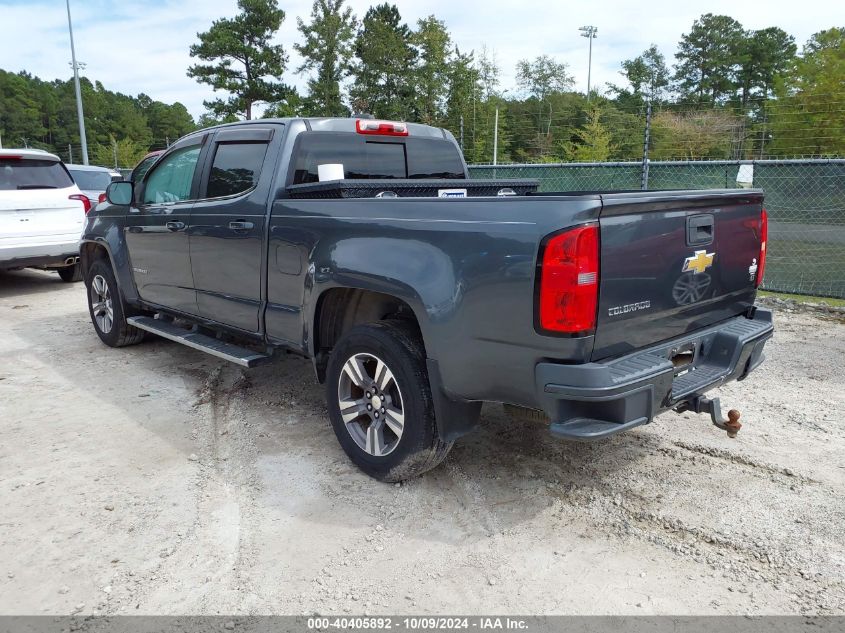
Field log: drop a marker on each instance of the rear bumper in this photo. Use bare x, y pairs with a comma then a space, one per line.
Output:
50, 250
595, 400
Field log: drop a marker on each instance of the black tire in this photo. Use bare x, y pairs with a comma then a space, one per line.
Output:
71, 274
398, 346
120, 333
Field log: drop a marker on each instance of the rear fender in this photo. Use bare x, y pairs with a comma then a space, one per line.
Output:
418, 273
422, 277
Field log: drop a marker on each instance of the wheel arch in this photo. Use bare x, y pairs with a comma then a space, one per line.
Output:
339, 309
91, 250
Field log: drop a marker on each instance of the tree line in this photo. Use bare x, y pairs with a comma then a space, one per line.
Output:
730, 93
120, 128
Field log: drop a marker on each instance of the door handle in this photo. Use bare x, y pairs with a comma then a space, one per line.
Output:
240, 225
175, 226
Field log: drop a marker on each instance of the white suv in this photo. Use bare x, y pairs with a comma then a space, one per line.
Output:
42, 213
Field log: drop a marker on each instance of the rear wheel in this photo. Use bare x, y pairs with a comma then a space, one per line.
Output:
380, 402
71, 273
107, 309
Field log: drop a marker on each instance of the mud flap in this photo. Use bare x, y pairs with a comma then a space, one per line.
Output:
455, 418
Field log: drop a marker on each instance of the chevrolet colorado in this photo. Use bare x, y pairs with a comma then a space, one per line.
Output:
419, 294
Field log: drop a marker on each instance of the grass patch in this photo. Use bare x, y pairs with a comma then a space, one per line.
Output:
839, 303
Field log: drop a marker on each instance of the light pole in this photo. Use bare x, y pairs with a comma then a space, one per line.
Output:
76, 68
590, 33
496, 131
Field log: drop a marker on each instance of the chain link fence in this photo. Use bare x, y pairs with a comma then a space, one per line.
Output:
805, 200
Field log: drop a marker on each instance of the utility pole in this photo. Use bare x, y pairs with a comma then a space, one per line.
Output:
496, 138
462, 132
70, 153
590, 33
646, 135
114, 149
76, 67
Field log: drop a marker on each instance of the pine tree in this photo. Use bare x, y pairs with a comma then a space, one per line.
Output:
383, 75
432, 42
242, 41
327, 52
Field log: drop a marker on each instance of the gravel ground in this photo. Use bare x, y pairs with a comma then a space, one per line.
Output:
156, 479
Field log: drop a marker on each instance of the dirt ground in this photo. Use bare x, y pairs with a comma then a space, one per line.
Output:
158, 480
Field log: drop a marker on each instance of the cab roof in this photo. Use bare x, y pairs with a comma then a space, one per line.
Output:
339, 124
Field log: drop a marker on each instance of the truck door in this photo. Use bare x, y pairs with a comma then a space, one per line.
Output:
156, 229
227, 227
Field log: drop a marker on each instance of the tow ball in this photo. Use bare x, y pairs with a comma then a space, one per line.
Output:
714, 408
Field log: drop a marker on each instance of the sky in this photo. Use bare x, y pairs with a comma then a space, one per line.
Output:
135, 46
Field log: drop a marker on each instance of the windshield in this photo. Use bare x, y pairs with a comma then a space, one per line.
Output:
142, 168
26, 173
91, 180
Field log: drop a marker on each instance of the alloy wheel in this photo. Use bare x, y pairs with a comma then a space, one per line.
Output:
371, 404
101, 304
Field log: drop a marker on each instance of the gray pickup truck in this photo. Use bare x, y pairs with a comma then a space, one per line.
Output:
419, 293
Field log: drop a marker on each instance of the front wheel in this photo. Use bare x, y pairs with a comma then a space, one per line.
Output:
107, 309
380, 401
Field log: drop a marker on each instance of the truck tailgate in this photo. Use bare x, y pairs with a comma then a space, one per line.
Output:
674, 262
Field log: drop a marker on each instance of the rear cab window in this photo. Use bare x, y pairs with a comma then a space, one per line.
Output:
18, 173
369, 157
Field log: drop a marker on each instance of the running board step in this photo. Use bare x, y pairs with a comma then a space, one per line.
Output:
227, 351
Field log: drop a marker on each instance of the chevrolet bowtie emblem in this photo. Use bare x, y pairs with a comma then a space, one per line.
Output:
698, 263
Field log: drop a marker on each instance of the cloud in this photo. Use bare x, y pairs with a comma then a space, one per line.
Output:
135, 46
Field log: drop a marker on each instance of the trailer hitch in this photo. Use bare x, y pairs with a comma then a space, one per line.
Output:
700, 404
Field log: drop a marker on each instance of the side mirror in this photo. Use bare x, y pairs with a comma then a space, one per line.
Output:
120, 193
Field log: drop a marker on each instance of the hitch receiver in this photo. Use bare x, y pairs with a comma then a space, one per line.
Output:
700, 404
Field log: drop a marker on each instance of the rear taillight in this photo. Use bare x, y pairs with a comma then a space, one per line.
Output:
569, 281
383, 128
764, 238
86, 203
101, 198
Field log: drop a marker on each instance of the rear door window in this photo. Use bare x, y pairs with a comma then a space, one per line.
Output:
32, 173
235, 169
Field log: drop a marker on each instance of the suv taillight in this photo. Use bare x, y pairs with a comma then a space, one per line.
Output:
764, 238
569, 281
86, 203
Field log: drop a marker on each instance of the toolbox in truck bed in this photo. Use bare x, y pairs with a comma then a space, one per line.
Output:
411, 188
